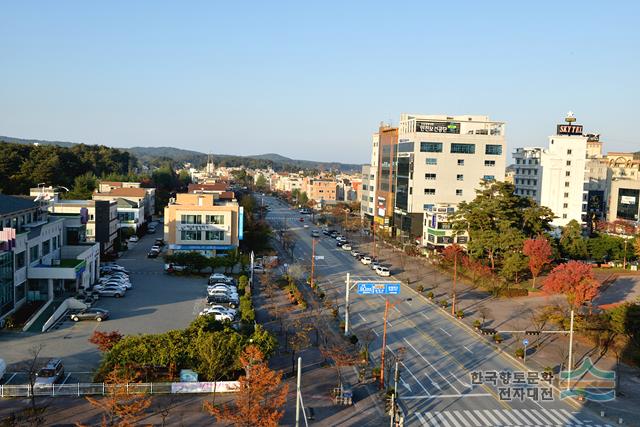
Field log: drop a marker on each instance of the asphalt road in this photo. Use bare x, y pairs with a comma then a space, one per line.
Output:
437, 354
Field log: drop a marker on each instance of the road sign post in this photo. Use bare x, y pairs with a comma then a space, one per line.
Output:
525, 343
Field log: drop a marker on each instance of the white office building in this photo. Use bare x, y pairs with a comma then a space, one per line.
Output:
369, 181
528, 174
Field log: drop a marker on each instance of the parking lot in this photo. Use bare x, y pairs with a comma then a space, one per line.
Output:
157, 303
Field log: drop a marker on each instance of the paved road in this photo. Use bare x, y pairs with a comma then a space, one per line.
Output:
436, 386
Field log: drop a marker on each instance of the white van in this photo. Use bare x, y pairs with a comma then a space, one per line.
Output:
3, 368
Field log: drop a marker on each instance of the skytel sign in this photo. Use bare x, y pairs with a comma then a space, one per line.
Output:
569, 130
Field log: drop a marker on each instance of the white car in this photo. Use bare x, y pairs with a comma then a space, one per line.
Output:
374, 265
341, 238
222, 287
346, 247
220, 316
231, 311
355, 253
366, 260
115, 282
100, 288
383, 271
133, 238
218, 277
220, 291
306, 226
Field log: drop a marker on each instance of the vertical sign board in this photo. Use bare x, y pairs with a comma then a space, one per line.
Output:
241, 223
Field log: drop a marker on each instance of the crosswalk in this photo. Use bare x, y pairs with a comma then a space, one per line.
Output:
501, 417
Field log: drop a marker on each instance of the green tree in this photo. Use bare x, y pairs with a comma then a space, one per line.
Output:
603, 247
303, 199
261, 183
572, 244
83, 187
515, 264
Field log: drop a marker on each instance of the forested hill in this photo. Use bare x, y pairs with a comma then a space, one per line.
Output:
24, 166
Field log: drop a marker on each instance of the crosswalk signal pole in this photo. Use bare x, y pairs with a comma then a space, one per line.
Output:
346, 305
394, 397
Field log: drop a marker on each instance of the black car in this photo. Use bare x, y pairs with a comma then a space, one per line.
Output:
340, 243
221, 299
153, 254
359, 256
159, 242
97, 314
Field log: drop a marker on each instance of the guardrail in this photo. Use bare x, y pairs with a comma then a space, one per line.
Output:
92, 389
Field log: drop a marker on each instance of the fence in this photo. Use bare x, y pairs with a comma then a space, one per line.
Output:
92, 389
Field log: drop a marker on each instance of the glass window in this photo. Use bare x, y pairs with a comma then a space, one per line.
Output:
190, 235
460, 177
215, 219
431, 161
33, 254
20, 291
460, 162
429, 176
567, 173
429, 191
493, 150
215, 235
46, 247
463, 148
20, 260
428, 207
490, 163
489, 177
431, 147
405, 147
458, 192
569, 151
191, 219
568, 162
6, 282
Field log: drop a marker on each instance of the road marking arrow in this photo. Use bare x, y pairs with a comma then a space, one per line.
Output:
407, 386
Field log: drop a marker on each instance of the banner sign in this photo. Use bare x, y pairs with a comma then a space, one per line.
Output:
373, 288
437, 127
241, 223
569, 130
205, 387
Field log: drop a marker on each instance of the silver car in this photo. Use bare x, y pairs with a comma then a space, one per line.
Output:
111, 292
50, 373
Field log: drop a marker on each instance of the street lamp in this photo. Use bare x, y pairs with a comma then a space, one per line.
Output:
387, 306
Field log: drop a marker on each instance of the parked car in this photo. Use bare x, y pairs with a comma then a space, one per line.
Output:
51, 373
374, 265
158, 242
114, 284
94, 313
341, 238
153, 253
366, 260
355, 253
259, 268
325, 232
231, 311
111, 292
134, 238
339, 243
151, 229
383, 271
315, 233
170, 268
221, 287
222, 299
346, 246
360, 256
221, 278
113, 269
219, 315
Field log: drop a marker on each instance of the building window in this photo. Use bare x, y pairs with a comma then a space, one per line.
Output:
489, 162
493, 150
489, 177
215, 235
462, 240
567, 173
564, 216
431, 147
568, 162
20, 291
460, 177
46, 247
215, 219
429, 176
460, 162
463, 148
566, 183
429, 191
431, 161
565, 205
458, 192
569, 151
566, 195
33, 253
190, 235
428, 207
20, 261
191, 219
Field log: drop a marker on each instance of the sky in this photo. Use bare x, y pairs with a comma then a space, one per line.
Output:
312, 80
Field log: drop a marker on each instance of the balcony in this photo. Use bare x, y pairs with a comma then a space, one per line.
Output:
59, 269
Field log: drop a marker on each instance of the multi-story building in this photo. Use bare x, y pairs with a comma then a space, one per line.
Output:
370, 181
441, 161
528, 173
623, 187
42, 257
200, 222
101, 219
143, 197
386, 176
321, 190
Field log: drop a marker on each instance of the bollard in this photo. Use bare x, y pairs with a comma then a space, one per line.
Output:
602, 414
620, 421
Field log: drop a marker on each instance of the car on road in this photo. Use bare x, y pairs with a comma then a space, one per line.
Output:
151, 230
333, 234
94, 313
315, 233
366, 260
301, 219
341, 238
355, 253
383, 271
153, 253
170, 268
134, 238
326, 232
346, 246
51, 373
111, 292
306, 226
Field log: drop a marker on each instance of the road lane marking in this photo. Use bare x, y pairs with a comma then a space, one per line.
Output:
374, 331
445, 396
362, 317
425, 316
429, 363
570, 416
500, 414
453, 419
460, 381
441, 419
494, 420
421, 419
396, 309
65, 380
445, 331
432, 381
466, 348
472, 418
414, 377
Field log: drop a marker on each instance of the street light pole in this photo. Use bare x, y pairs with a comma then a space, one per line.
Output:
384, 341
346, 305
394, 397
455, 279
570, 353
299, 380
313, 259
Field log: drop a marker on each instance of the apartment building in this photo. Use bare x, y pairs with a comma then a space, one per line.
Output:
101, 219
441, 161
623, 187
321, 190
386, 176
528, 173
42, 257
370, 182
142, 197
202, 223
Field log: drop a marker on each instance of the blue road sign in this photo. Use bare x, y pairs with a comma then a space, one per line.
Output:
525, 342
368, 288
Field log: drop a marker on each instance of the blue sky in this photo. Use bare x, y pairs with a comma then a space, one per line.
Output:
312, 80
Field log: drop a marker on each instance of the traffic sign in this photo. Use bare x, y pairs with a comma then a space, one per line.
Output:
378, 288
525, 342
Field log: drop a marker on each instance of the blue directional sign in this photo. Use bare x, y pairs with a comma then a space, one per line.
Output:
525, 342
373, 288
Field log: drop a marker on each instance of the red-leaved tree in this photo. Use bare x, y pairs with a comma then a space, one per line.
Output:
539, 252
574, 279
452, 253
105, 340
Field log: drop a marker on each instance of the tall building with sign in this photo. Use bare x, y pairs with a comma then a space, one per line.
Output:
573, 180
441, 161
384, 198
200, 222
370, 182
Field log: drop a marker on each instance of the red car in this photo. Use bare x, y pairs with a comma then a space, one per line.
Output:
301, 219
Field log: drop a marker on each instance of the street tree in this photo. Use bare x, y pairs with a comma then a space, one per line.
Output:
539, 252
105, 340
259, 398
341, 357
514, 265
572, 244
575, 280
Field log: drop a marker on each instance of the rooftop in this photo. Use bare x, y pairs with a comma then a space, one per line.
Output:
10, 204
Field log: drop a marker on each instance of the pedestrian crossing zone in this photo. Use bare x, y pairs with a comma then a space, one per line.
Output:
502, 417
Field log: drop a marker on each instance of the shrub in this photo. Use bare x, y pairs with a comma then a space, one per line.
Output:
477, 324
498, 338
430, 295
513, 292
375, 372
420, 288
353, 339
443, 303
519, 353
247, 313
460, 314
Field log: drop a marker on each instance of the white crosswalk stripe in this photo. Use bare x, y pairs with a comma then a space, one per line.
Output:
501, 417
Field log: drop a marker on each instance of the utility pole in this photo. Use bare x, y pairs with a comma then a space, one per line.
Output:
313, 259
374, 236
346, 305
455, 278
384, 341
394, 396
570, 353
298, 392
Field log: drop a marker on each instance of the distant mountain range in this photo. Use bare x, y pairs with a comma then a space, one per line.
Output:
196, 158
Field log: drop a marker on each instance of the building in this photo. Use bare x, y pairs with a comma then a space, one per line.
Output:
321, 190
131, 214
370, 182
42, 257
142, 197
528, 173
386, 177
200, 222
101, 219
441, 161
623, 187
573, 177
